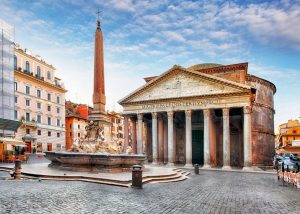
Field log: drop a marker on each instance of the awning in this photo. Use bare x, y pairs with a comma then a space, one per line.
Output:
11, 125
11, 141
28, 137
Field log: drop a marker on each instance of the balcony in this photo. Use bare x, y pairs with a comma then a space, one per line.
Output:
27, 123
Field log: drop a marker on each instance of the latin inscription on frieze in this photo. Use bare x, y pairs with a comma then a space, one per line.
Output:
199, 103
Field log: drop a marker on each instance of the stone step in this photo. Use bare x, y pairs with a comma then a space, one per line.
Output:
171, 180
181, 175
122, 184
149, 180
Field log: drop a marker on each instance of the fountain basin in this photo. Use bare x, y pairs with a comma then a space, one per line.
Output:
94, 161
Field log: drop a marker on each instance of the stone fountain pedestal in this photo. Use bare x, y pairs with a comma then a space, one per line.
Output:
93, 162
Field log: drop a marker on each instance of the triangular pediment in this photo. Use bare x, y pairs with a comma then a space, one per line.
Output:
179, 83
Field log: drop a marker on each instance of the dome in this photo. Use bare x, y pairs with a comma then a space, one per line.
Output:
203, 66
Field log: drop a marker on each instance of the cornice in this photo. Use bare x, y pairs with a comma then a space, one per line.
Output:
40, 81
252, 78
176, 69
264, 106
190, 97
225, 68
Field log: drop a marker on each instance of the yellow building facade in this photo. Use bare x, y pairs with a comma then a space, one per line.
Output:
39, 103
288, 139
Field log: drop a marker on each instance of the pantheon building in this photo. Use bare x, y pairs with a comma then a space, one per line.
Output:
207, 114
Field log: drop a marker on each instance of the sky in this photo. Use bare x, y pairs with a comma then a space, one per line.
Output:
147, 37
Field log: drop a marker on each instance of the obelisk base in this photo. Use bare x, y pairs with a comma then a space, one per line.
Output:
103, 120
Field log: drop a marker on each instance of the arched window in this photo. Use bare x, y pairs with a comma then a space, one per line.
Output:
27, 67
38, 72
48, 75
15, 62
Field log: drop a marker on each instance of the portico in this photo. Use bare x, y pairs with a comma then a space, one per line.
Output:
173, 137
209, 125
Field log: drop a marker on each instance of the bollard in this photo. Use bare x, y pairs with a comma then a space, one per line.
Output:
196, 169
137, 177
17, 174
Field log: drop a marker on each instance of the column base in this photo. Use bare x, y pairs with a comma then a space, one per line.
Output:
251, 168
226, 168
154, 164
188, 165
248, 168
206, 166
170, 164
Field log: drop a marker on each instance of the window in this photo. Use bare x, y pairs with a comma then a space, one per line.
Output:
58, 135
70, 134
78, 126
49, 121
27, 102
27, 131
294, 132
58, 122
39, 132
70, 126
57, 100
57, 110
38, 105
78, 134
16, 114
38, 93
27, 90
27, 116
49, 134
48, 75
113, 120
49, 108
38, 72
120, 128
15, 62
118, 121
27, 67
16, 86
39, 119
16, 99
39, 147
49, 97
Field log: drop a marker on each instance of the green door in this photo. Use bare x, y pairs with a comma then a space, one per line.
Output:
197, 147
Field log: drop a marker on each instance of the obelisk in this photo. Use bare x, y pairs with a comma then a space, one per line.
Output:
99, 100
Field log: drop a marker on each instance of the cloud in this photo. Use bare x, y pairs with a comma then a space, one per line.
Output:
268, 23
171, 35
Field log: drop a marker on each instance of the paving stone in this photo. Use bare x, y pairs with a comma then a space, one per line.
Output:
210, 192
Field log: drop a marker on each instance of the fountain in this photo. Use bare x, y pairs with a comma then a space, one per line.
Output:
98, 151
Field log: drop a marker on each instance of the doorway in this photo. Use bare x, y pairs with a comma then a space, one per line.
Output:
28, 146
49, 147
197, 147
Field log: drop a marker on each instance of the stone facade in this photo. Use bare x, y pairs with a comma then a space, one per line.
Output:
39, 103
208, 114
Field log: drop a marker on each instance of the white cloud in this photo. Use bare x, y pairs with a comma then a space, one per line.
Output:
171, 35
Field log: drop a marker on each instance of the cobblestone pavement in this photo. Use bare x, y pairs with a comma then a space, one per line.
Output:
209, 192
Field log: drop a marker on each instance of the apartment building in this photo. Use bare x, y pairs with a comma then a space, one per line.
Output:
39, 103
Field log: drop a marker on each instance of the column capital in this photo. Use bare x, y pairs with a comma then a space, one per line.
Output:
170, 114
247, 109
188, 113
206, 112
140, 116
225, 112
154, 115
